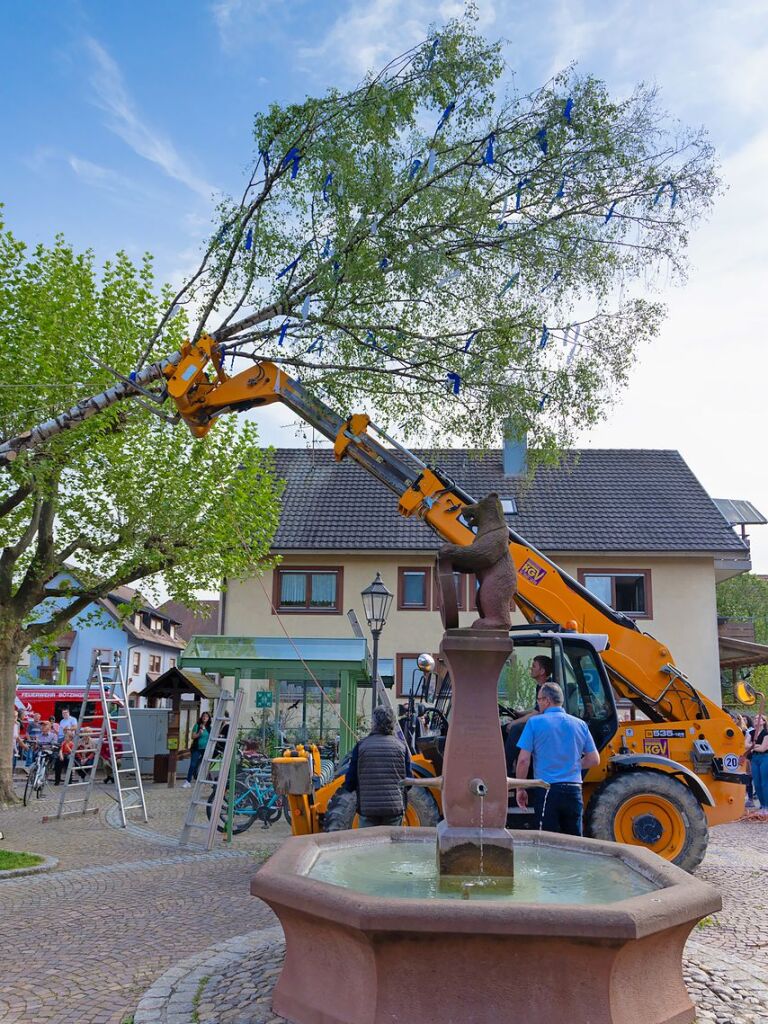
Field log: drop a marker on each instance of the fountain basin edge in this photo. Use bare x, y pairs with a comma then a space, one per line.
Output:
354, 958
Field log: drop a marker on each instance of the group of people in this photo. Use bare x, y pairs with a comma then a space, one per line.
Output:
33, 733
558, 745
755, 760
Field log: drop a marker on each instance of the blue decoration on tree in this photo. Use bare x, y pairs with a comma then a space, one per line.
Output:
544, 337
326, 249
265, 158
288, 269
414, 169
431, 160
520, 186
316, 346
543, 402
667, 184
283, 332
249, 240
445, 115
561, 190
470, 339
611, 208
488, 158
433, 51
510, 283
383, 263
541, 138
454, 380
292, 157
328, 181
568, 110
305, 307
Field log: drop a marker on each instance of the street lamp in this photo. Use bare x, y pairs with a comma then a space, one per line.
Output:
376, 603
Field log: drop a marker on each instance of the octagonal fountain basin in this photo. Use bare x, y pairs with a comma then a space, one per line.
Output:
591, 932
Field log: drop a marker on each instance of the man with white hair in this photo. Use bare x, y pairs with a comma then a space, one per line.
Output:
378, 765
561, 746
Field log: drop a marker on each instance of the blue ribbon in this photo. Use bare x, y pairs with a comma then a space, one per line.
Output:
326, 183
316, 346
520, 186
512, 281
543, 402
265, 158
660, 192
541, 138
132, 376
488, 158
446, 114
305, 307
431, 160
455, 381
292, 157
249, 240
561, 191
568, 110
326, 249
430, 59
470, 339
288, 269
383, 263
222, 234
611, 208
283, 332
335, 267
544, 337
414, 169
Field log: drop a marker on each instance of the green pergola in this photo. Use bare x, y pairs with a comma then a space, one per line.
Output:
277, 658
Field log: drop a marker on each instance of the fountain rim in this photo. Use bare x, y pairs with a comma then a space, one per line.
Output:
678, 898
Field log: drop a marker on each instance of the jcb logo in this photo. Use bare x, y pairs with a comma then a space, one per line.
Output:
657, 746
532, 572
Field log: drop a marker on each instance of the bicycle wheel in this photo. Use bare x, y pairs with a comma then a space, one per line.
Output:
246, 809
287, 810
29, 784
270, 810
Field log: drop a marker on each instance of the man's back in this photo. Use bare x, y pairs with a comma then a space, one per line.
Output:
557, 741
381, 766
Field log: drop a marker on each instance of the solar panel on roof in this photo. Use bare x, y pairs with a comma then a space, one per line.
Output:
739, 512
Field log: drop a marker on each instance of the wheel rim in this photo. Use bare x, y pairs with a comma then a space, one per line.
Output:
650, 814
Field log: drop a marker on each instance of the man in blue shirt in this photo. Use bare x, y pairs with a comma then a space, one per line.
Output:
561, 746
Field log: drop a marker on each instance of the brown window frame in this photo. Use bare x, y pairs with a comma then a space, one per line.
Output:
155, 659
401, 605
136, 663
646, 573
278, 609
461, 592
399, 659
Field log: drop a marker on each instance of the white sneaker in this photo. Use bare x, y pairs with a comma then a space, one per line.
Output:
185, 784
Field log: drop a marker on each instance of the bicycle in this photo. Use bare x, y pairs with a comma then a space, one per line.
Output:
37, 776
255, 799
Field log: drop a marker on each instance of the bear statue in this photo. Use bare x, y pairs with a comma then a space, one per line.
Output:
489, 559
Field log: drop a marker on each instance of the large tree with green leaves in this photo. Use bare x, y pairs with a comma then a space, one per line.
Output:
746, 597
124, 496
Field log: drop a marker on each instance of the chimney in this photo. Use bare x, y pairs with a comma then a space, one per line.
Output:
515, 455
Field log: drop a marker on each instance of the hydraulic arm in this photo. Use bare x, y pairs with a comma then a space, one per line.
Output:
641, 668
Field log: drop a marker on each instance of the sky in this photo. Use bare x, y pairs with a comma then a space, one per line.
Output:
123, 121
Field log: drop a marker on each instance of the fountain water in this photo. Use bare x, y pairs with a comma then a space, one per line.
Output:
554, 926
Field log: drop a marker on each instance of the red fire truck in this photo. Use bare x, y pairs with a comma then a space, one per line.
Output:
51, 700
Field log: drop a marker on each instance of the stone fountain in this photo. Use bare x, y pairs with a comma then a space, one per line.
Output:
460, 924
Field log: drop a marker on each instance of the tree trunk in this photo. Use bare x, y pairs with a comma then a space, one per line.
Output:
9, 660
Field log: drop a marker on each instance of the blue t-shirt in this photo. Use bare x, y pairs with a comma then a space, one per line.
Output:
558, 742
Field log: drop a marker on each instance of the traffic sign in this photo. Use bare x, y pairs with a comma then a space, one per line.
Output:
263, 698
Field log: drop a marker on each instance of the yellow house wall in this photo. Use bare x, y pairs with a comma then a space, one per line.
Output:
683, 601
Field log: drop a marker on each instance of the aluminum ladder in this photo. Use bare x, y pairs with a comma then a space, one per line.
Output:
112, 697
214, 771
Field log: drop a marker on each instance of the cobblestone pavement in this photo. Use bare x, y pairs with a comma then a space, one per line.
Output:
129, 924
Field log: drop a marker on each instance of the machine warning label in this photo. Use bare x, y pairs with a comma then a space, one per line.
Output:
676, 734
658, 746
533, 573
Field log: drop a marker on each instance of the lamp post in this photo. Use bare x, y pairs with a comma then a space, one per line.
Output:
376, 603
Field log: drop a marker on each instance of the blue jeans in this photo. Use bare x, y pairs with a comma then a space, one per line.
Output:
563, 808
194, 764
760, 777
363, 822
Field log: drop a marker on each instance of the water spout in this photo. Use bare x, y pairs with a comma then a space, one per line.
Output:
478, 788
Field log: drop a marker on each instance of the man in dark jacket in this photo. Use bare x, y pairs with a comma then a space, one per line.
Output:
378, 765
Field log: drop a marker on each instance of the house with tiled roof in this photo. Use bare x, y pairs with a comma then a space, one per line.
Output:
634, 526
146, 637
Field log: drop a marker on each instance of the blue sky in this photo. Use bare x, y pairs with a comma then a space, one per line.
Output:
123, 120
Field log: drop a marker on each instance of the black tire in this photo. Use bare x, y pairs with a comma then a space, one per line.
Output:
626, 801
342, 809
240, 821
270, 813
287, 810
28, 785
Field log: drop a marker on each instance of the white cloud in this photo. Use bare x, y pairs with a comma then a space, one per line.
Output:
236, 20
101, 177
110, 94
